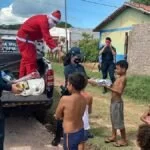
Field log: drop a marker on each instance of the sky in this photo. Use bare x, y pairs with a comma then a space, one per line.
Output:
80, 13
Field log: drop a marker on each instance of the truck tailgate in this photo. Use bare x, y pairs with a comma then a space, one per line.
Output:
8, 99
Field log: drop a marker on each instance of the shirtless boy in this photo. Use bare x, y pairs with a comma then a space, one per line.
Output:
71, 109
116, 107
146, 117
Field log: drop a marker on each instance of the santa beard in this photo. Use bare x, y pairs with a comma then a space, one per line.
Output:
51, 23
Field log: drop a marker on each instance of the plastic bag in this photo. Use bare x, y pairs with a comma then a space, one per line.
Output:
103, 82
32, 87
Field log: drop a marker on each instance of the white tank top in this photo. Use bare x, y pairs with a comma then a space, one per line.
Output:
85, 119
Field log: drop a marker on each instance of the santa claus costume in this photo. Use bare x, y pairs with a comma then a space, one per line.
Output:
35, 28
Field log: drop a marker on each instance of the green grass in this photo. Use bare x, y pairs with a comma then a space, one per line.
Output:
137, 88
58, 69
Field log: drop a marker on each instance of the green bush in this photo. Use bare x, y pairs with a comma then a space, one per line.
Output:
89, 47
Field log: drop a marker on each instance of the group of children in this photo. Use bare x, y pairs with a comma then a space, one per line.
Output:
75, 108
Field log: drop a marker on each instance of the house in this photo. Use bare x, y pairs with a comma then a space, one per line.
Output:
120, 23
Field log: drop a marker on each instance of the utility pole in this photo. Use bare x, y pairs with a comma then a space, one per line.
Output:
66, 25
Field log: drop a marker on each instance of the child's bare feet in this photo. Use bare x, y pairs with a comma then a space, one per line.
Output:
120, 143
110, 139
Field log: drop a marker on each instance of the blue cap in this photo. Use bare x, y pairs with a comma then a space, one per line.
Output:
75, 51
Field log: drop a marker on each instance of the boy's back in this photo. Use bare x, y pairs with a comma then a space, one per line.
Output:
74, 107
71, 109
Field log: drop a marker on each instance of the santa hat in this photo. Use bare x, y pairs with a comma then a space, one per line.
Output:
56, 15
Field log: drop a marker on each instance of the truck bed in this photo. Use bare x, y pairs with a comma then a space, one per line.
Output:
11, 62
8, 99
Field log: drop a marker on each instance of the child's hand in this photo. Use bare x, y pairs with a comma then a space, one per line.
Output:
16, 89
147, 120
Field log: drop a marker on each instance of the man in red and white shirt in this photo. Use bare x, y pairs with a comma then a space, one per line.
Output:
35, 28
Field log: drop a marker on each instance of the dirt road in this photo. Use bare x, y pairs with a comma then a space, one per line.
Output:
22, 133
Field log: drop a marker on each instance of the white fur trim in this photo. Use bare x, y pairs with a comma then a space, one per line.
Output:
25, 40
54, 18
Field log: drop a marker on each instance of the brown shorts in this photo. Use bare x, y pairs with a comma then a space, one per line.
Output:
117, 114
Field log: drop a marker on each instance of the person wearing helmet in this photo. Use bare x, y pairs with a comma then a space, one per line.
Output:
35, 28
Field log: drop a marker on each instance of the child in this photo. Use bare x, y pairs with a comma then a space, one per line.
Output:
146, 117
71, 109
116, 107
143, 137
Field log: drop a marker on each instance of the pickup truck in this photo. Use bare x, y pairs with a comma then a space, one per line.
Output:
10, 61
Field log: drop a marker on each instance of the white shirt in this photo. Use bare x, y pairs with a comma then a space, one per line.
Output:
85, 118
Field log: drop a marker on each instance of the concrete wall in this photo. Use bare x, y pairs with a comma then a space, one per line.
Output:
139, 50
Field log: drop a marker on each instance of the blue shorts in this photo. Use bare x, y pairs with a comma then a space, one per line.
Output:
72, 140
86, 132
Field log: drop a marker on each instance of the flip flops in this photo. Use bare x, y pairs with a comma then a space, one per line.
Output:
109, 140
117, 144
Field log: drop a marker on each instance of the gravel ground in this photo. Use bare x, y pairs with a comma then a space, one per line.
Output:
26, 133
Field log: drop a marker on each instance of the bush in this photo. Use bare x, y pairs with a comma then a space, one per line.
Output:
89, 47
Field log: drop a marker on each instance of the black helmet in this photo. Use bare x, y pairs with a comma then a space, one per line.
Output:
74, 51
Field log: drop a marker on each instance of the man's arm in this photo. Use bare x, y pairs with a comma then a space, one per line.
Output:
66, 73
46, 35
113, 50
4, 86
60, 110
102, 50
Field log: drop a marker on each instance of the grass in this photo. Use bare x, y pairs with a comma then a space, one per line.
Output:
137, 90
58, 69
101, 127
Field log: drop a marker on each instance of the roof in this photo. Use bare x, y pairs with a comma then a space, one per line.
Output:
141, 7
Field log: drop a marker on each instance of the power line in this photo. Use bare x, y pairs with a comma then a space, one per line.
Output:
96, 3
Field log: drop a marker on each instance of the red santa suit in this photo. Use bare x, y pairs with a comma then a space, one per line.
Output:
35, 28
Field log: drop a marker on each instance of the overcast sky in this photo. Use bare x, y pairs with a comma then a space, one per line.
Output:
80, 13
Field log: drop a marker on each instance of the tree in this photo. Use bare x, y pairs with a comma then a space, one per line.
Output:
146, 2
62, 25
89, 47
